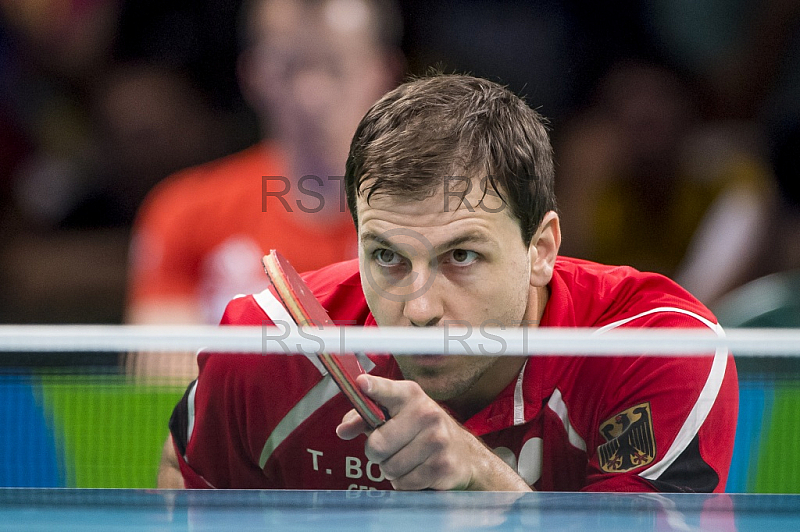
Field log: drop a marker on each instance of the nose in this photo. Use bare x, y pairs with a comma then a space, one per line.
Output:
424, 306
313, 87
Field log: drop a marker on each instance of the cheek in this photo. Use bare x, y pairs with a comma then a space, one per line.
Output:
510, 292
385, 311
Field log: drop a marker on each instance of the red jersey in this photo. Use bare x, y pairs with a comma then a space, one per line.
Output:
202, 232
565, 423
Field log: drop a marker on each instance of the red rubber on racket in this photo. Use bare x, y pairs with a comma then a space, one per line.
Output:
307, 311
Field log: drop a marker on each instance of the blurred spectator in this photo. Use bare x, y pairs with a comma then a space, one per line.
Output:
146, 121
74, 155
51, 54
780, 249
310, 70
150, 122
87, 138
721, 254
640, 173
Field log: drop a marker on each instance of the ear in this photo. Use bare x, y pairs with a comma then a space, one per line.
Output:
544, 249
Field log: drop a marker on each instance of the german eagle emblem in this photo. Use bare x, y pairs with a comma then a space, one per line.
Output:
629, 440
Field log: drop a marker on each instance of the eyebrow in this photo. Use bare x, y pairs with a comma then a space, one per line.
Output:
370, 236
468, 238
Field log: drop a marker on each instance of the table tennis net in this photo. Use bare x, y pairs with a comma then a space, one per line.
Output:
92, 419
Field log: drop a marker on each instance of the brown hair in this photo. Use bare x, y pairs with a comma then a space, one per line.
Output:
432, 129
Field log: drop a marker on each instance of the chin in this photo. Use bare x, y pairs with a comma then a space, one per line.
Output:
441, 389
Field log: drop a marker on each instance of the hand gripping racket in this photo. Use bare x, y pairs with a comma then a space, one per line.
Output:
307, 311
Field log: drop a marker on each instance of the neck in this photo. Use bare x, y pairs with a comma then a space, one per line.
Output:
318, 189
537, 301
505, 369
497, 377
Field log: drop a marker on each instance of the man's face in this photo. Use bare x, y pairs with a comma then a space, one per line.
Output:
425, 263
314, 72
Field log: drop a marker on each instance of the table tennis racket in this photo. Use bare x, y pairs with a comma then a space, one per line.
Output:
306, 310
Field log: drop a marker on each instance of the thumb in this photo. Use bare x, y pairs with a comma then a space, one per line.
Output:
351, 426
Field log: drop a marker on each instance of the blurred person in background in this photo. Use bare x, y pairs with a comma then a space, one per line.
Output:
647, 182
51, 52
780, 250
149, 121
89, 134
309, 69
746, 56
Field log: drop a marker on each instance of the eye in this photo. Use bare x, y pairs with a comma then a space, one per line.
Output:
463, 257
386, 257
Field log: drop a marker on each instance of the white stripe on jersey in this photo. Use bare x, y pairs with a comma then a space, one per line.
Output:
559, 407
273, 308
190, 415
519, 400
705, 401
315, 398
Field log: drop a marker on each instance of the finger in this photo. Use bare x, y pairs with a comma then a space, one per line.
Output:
390, 394
415, 480
351, 426
437, 473
419, 422
426, 463
388, 439
402, 462
395, 393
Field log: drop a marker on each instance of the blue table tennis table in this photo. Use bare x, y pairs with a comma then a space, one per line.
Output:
239, 511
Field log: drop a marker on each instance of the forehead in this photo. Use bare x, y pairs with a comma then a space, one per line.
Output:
447, 208
290, 22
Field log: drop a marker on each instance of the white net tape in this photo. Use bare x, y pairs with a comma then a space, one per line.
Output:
398, 340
